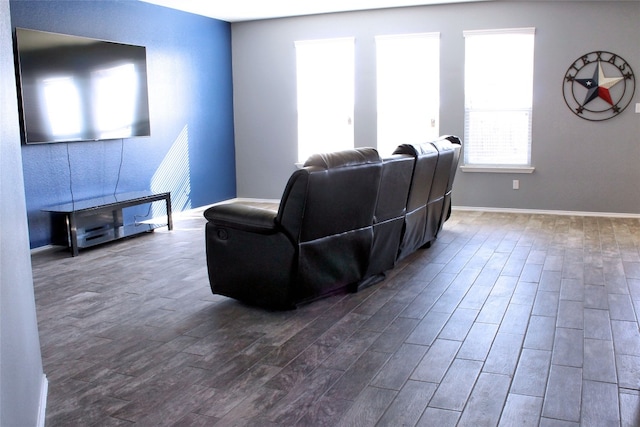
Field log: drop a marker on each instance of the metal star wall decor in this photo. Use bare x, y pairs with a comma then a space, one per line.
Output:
598, 86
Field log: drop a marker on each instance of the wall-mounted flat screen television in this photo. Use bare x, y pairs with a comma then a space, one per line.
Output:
80, 89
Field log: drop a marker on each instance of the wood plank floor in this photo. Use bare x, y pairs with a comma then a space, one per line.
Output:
508, 319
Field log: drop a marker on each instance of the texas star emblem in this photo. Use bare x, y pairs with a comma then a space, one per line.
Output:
598, 86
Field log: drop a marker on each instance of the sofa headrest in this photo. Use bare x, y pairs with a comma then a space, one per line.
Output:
443, 142
356, 156
453, 139
448, 142
416, 150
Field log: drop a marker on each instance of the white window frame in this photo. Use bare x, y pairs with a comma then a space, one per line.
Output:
408, 89
478, 102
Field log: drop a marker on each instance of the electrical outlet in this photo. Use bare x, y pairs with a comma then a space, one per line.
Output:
637, 107
516, 184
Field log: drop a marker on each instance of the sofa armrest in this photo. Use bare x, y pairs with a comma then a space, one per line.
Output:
242, 217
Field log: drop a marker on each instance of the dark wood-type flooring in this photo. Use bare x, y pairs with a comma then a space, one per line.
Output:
508, 319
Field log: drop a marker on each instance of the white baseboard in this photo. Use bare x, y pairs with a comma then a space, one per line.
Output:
42, 408
547, 212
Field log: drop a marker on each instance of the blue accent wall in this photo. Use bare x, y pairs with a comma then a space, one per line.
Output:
191, 148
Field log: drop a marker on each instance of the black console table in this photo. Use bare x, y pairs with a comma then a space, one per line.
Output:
99, 220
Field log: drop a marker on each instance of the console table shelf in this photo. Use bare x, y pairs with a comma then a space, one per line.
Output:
100, 220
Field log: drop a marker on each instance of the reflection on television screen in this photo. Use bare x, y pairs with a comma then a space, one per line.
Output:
78, 89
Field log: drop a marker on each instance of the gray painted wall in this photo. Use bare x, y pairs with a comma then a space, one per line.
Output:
580, 165
21, 375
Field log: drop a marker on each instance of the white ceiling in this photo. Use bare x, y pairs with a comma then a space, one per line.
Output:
249, 10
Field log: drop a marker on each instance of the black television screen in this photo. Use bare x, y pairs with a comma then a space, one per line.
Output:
80, 89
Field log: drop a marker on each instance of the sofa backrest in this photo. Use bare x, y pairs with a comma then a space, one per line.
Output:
391, 207
456, 145
426, 160
342, 192
327, 210
443, 169
397, 171
441, 175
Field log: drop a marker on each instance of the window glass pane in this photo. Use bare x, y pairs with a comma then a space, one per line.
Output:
498, 97
498, 137
325, 83
499, 71
408, 89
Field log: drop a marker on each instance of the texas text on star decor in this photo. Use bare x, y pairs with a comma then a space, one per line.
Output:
598, 86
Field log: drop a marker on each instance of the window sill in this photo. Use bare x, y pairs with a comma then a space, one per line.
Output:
498, 169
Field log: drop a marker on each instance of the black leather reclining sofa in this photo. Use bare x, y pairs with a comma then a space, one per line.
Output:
345, 218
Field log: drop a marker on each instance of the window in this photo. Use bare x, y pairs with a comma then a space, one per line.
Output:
408, 89
325, 79
498, 97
